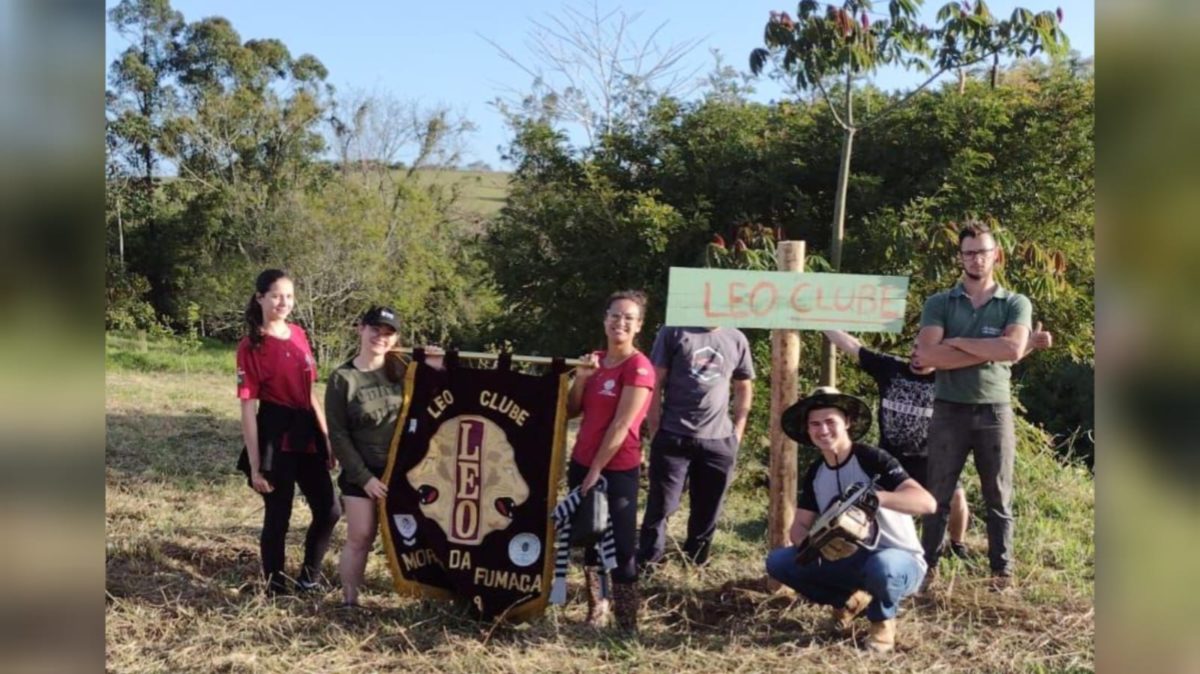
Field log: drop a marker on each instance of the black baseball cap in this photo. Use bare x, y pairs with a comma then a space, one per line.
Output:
381, 316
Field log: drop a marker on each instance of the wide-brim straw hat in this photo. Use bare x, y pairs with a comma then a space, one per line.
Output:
795, 418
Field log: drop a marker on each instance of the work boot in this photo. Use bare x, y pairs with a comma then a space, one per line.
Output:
597, 605
1000, 582
626, 604
882, 637
841, 619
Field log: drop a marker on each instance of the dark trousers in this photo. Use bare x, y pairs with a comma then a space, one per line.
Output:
622, 508
707, 465
958, 429
309, 472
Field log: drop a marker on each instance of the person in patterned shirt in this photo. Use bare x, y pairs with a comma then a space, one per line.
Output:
905, 408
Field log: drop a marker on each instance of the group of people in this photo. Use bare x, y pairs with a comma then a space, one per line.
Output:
693, 393
951, 399
293, 439
684, 391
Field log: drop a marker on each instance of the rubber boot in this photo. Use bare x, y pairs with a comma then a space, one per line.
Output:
597, 605
627, 601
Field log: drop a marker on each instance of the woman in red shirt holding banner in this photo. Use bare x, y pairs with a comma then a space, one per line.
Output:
612, 391
283, 426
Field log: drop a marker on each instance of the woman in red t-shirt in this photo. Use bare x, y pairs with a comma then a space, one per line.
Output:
283, 426
612, 391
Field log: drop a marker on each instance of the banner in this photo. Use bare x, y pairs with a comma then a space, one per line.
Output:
471, 476
785, 300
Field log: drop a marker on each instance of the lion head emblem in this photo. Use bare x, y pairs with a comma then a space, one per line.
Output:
468, 482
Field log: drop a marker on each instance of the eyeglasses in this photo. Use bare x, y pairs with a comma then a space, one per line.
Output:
971, 254
616, 316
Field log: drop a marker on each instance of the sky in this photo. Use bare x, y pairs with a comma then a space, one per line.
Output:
435, 53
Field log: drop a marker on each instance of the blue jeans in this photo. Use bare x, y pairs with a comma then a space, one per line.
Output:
887, 574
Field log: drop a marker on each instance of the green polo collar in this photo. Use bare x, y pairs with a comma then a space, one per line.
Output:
960, 291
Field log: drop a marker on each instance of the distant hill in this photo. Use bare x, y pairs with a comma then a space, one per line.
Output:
483, 192
482, 196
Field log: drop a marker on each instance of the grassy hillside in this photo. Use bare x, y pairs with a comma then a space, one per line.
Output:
182, 563
482, 192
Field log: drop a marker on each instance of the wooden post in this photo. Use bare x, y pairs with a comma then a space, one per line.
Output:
785, 364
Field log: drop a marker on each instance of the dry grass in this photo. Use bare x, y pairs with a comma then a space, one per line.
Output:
182, 562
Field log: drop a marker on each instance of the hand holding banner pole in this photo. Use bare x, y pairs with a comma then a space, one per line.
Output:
477, 355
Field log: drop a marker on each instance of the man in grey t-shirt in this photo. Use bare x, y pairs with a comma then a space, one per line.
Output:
701, 371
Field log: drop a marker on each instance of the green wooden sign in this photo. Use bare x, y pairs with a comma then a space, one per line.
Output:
786, 300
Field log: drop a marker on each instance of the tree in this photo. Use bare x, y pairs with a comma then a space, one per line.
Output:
139, 105
245, 150
714, 181
418, 253
589, 69
243, 124
835, 45
142, 96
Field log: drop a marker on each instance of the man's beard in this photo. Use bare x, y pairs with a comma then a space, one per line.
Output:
973, 276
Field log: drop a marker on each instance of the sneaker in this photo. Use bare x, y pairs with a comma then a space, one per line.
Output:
882, 637
309, 586
310, 580
959, 549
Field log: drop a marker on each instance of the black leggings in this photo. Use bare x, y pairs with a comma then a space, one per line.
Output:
309, 471
622, 508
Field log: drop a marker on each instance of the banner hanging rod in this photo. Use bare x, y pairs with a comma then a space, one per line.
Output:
478, 355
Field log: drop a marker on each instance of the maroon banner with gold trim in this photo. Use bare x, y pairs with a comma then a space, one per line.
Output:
472, 478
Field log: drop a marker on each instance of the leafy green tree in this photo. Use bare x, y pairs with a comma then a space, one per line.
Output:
246, 151
142, 97
826, 48
139, 103
242, 124
733, 176
565, 240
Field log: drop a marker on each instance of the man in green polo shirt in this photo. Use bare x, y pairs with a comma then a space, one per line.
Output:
972, 334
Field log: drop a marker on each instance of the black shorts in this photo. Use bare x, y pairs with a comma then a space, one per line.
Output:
917, 467
350, 489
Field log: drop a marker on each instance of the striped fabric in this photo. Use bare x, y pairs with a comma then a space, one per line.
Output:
563, 515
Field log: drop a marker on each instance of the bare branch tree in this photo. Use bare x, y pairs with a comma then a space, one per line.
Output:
589, 68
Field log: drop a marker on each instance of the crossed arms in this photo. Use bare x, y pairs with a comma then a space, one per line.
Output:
933, 350
954, 353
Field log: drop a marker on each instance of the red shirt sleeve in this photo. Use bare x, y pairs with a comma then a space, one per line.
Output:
247, 371
638, 372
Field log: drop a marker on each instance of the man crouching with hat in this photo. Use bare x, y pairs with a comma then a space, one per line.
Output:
890, 564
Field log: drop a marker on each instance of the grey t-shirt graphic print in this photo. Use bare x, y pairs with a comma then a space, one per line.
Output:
700, 364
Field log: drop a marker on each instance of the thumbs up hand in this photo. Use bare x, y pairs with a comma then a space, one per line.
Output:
1041, 339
